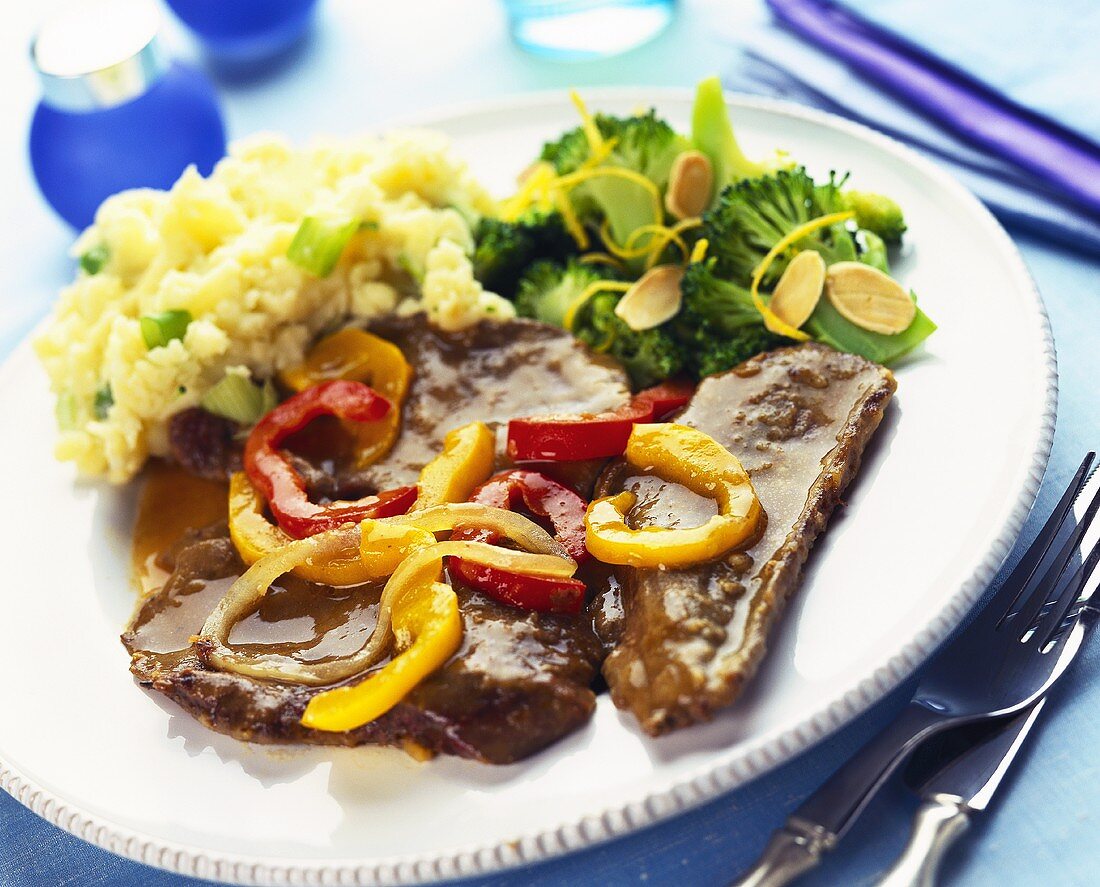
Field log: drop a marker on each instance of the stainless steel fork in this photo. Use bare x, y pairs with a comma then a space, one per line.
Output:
1000, 664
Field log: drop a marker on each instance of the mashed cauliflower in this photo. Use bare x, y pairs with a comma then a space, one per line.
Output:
216, 247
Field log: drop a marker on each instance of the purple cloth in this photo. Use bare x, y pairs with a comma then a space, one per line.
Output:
1060, 158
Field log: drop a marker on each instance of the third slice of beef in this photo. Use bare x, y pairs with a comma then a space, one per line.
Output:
490, 372
798, 419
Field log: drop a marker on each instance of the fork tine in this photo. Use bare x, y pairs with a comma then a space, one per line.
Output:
1039, 592
1025, 569
1075, 586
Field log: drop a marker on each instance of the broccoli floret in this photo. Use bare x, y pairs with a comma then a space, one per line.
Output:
644, 144
649, 356
547, 289
718, 355
877, 213
571, 150
873, 251
712, 133
753, 215
718, 326
719, 303
503, 250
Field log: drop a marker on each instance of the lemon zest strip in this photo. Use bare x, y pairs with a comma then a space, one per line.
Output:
591, 131
569, 217
771, 320
599, 155
601, 259
542, 178
687, 224
583, 175
599, 286
618, 251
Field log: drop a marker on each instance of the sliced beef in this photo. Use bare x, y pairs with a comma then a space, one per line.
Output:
798, 419
490, 372
520, 681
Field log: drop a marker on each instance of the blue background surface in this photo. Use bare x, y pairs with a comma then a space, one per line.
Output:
370, 63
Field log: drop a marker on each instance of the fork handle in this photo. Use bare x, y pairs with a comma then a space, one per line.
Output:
939, 822
816, 827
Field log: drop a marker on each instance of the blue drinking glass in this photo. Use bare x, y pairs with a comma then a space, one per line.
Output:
243, 31
577, 30
116, 112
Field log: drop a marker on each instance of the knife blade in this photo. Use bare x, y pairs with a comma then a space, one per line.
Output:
952, 792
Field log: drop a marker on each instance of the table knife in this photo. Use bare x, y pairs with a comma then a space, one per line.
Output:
952, 794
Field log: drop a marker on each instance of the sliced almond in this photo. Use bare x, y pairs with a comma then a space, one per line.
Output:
690, 182
799, 289
868, 298
653, 299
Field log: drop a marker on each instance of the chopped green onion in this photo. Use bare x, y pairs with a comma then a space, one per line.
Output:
160, 329
317, 246
95, 258
271, 398
104, 400
65, 411
406, 265
238, 399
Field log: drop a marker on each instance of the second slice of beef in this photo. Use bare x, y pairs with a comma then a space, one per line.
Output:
798, 419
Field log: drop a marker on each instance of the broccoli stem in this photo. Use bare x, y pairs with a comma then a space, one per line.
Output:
712, 133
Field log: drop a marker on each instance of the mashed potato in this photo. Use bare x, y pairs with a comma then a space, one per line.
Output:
216, 247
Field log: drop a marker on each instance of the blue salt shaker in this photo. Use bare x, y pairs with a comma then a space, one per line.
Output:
116, 111
246, 31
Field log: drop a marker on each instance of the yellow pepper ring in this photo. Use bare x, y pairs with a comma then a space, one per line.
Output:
361, 357
428, 628
695, 460
466, 461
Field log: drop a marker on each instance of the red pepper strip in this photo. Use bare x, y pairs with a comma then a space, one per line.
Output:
542, 497
545, 498
283, 488
595, 436
517, 590
667, 397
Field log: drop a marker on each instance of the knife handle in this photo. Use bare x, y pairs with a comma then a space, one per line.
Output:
795, 848
938, 824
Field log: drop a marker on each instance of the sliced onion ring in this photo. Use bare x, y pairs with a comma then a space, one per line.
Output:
244, 596
439, 518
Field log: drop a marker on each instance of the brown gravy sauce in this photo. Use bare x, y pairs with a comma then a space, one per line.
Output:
309, 621
172, 502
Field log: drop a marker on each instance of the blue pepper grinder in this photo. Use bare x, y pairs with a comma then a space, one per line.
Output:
116, 111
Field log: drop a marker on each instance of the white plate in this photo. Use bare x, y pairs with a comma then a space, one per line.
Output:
943, 493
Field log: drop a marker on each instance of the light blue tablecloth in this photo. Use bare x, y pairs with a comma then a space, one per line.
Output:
372, 62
